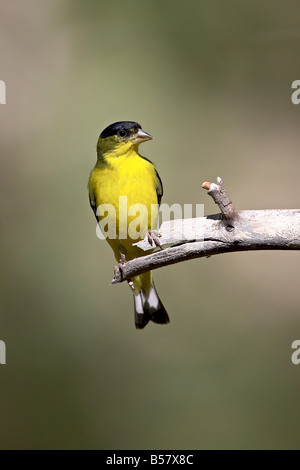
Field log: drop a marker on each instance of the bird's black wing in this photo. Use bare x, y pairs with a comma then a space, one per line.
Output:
93, 206
159, 188
159, 185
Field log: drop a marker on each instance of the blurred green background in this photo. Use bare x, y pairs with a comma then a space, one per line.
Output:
212, 82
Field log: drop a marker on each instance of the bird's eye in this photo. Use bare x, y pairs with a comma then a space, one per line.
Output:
122, 133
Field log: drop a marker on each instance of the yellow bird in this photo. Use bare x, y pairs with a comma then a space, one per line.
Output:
125, 191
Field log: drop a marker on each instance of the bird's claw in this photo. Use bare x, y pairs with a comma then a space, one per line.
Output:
120, 266
153, 238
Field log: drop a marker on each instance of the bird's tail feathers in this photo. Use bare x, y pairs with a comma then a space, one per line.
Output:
148, 306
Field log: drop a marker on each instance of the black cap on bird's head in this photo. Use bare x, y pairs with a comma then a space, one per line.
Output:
126, 130
122, 127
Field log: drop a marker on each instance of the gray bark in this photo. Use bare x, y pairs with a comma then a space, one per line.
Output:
229, 231
275, 229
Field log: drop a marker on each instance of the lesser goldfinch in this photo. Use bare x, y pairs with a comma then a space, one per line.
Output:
121, 171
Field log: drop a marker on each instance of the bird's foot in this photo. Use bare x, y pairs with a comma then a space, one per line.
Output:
120, 266
153, 238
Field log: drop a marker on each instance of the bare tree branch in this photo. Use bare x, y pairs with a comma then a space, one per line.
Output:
229, 231
221, 198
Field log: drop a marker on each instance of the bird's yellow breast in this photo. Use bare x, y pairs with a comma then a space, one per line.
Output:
127, 183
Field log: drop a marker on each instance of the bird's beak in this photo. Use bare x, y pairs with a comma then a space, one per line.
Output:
141, 136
